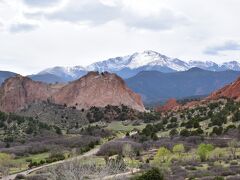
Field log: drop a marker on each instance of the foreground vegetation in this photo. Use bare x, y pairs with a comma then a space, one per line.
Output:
196, 143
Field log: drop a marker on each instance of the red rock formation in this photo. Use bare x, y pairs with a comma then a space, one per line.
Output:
191, 104
98, 89
230, 91
170, 105
19, 91
94, 89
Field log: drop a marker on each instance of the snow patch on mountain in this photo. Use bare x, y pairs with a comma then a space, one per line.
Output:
233, 65
113, 64
65, 72
141, 59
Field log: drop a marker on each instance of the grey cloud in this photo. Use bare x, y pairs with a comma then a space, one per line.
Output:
227, 46
35, 15
1, 27
163, 21
91, 10
96, 13
41, 3
17, 28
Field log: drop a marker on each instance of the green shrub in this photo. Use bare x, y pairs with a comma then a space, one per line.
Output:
55, 157
153, 174
231, 126
154, 136
236, 116
162, 155
173, 132
42, 162
203, 151
58, 130
217, 130
172, 125
178, 149
233, 163
33, 164
173, 120
185, 133
218, 178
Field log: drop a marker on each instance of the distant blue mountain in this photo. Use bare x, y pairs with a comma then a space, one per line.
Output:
156, 86
5, 75
48, 78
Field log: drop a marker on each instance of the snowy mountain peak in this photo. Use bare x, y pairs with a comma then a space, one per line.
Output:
141, 59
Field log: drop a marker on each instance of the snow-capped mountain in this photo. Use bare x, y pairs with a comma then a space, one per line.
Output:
207, 65
66, 73
146, 59
232, 65
212, 66
112, 64
128, 66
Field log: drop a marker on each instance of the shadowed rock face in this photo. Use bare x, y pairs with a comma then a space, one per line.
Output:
100, 90
94, 89
230, 91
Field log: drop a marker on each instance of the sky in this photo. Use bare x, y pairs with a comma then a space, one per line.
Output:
36, 34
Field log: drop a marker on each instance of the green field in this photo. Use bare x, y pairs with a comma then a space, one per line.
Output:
23, 162
119, 126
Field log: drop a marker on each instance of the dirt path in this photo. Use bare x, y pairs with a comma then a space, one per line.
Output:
121, 175
87, 154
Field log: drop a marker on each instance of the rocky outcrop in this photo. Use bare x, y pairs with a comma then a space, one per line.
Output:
94, 89
19, 91
100, 90
230, 91
170, 105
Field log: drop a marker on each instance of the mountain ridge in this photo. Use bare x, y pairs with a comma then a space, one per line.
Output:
130, 65
155, 86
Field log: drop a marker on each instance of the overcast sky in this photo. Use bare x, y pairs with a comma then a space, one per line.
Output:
35, 34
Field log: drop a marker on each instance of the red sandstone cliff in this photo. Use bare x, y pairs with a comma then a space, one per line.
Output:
98, 89
19, 91
230, 91
170, 105
94, 89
